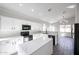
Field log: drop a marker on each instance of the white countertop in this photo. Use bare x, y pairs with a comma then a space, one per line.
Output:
8, 45
31, 46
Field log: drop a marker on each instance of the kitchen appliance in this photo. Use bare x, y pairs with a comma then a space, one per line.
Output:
26, 27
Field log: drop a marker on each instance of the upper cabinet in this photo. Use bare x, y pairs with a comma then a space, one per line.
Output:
10, 25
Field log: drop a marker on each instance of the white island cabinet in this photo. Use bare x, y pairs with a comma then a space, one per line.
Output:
40, 46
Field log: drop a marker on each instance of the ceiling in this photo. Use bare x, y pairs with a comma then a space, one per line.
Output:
44, 12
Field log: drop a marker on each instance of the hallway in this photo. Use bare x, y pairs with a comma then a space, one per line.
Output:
65, 46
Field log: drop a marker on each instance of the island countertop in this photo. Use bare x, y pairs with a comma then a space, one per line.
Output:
31, 46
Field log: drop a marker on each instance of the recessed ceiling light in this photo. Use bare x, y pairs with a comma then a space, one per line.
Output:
71, 6
32, 10
20, 4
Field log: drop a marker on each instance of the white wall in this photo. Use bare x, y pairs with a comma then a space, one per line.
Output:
13, 26
77, 14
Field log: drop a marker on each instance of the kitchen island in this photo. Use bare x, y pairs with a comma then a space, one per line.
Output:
40, 46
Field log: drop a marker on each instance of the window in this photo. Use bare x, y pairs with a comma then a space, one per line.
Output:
65, 28
51, 28
44, 27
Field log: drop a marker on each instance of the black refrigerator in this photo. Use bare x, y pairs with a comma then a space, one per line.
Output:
76, 39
